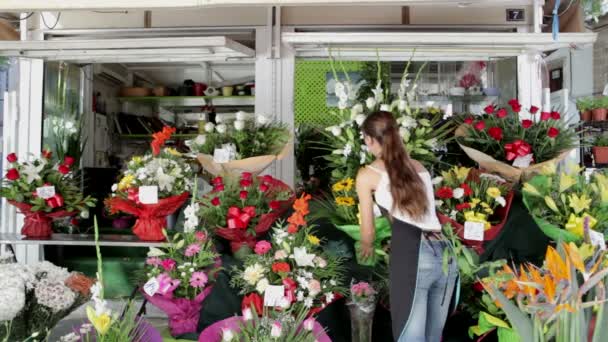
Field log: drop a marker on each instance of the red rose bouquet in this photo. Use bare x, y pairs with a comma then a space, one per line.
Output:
503, 143
475, 205
242, 209
43, 190
153, 187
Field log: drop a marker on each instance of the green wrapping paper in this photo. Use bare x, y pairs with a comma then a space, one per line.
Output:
383, 232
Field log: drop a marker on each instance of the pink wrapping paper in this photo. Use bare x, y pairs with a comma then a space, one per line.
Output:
213, 333
183, 313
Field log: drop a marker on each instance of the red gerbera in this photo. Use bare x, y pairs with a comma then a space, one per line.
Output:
444, 192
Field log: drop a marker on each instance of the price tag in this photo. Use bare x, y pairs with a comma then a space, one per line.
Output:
473, 231
151, 287
45, 192
148, 194
221, 155
524, 161
273, 295
597, 239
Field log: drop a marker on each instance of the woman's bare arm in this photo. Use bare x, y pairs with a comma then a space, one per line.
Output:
365, 187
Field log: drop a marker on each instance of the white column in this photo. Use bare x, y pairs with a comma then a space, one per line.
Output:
529, 81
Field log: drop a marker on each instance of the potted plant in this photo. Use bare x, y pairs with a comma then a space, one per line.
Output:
584, 107
600, 149
598, 108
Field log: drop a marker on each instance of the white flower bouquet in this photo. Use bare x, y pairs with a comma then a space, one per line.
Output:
33, 298
153, 187
247, 144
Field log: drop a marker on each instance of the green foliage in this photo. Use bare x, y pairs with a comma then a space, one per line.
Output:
601, 140
584, 104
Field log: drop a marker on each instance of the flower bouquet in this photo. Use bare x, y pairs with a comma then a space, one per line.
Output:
43, 191
246, 145
292, 270
362, 307
476, 205
343, 211
421, 134
180, 277
565, 206
153, 187
516, 149
558, 301
240, 210
283, 326
34, 298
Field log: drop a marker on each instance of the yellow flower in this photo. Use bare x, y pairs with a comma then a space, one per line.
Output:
551, 204
137, 159
484, 205
126, 182
343, 185
600, 186
313, 239
565, 182
461, 173
530, 189
493, 192
548, 169
101, 323
488, 211
576, 224
574, 168
475, 202
579, 203
345, 201
173, 152
472, 216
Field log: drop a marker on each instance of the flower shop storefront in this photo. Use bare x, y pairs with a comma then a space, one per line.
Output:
255, 255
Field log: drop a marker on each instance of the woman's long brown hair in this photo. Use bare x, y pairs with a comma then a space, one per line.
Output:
407, 188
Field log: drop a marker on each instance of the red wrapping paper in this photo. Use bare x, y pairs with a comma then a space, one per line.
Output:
38, 224
151, 218
241, 237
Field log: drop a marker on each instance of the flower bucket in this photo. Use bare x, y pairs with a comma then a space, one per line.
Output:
600, 154
151, 218
253, 165
38, 224
489, 234
586, 115
183, 313
506, 171
213, 333
599, 114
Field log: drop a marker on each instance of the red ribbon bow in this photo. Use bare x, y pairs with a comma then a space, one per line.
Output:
239, 219
518, 148
55, 201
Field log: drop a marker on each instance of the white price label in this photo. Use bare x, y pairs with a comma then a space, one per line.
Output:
597, 239
524, 161
474, 231
273, 295
221, 155
151, 287
45, 192
148, 194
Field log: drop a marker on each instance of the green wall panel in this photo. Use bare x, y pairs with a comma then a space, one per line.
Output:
310, 97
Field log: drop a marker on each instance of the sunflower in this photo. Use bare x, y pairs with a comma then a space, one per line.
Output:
343, 185
345, 201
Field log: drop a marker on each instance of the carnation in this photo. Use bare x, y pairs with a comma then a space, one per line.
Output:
253, 273
56, 296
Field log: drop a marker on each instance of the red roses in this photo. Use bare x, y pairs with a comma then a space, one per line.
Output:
11, 158
526, 123
495, 133
12, 174
480, 125
552, 132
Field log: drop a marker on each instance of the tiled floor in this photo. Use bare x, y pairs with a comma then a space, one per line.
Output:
153, 315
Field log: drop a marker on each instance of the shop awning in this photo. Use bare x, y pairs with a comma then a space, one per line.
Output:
428, 45
137, 50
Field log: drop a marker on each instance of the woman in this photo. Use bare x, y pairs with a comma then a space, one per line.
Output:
420, 291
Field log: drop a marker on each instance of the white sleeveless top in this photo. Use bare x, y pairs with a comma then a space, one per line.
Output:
384, 199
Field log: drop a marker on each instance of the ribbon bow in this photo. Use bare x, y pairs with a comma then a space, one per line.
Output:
472, 216
576, 224
239, 219
518, 148
55, 201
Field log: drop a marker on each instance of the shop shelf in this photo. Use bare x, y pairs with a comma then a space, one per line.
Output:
149, 136
193, 101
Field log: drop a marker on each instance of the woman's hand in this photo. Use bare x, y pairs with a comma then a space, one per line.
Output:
367, 247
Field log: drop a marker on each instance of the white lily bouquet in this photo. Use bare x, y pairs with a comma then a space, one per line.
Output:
248, 144
422, 133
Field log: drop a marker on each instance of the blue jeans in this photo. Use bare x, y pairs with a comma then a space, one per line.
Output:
432, 296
